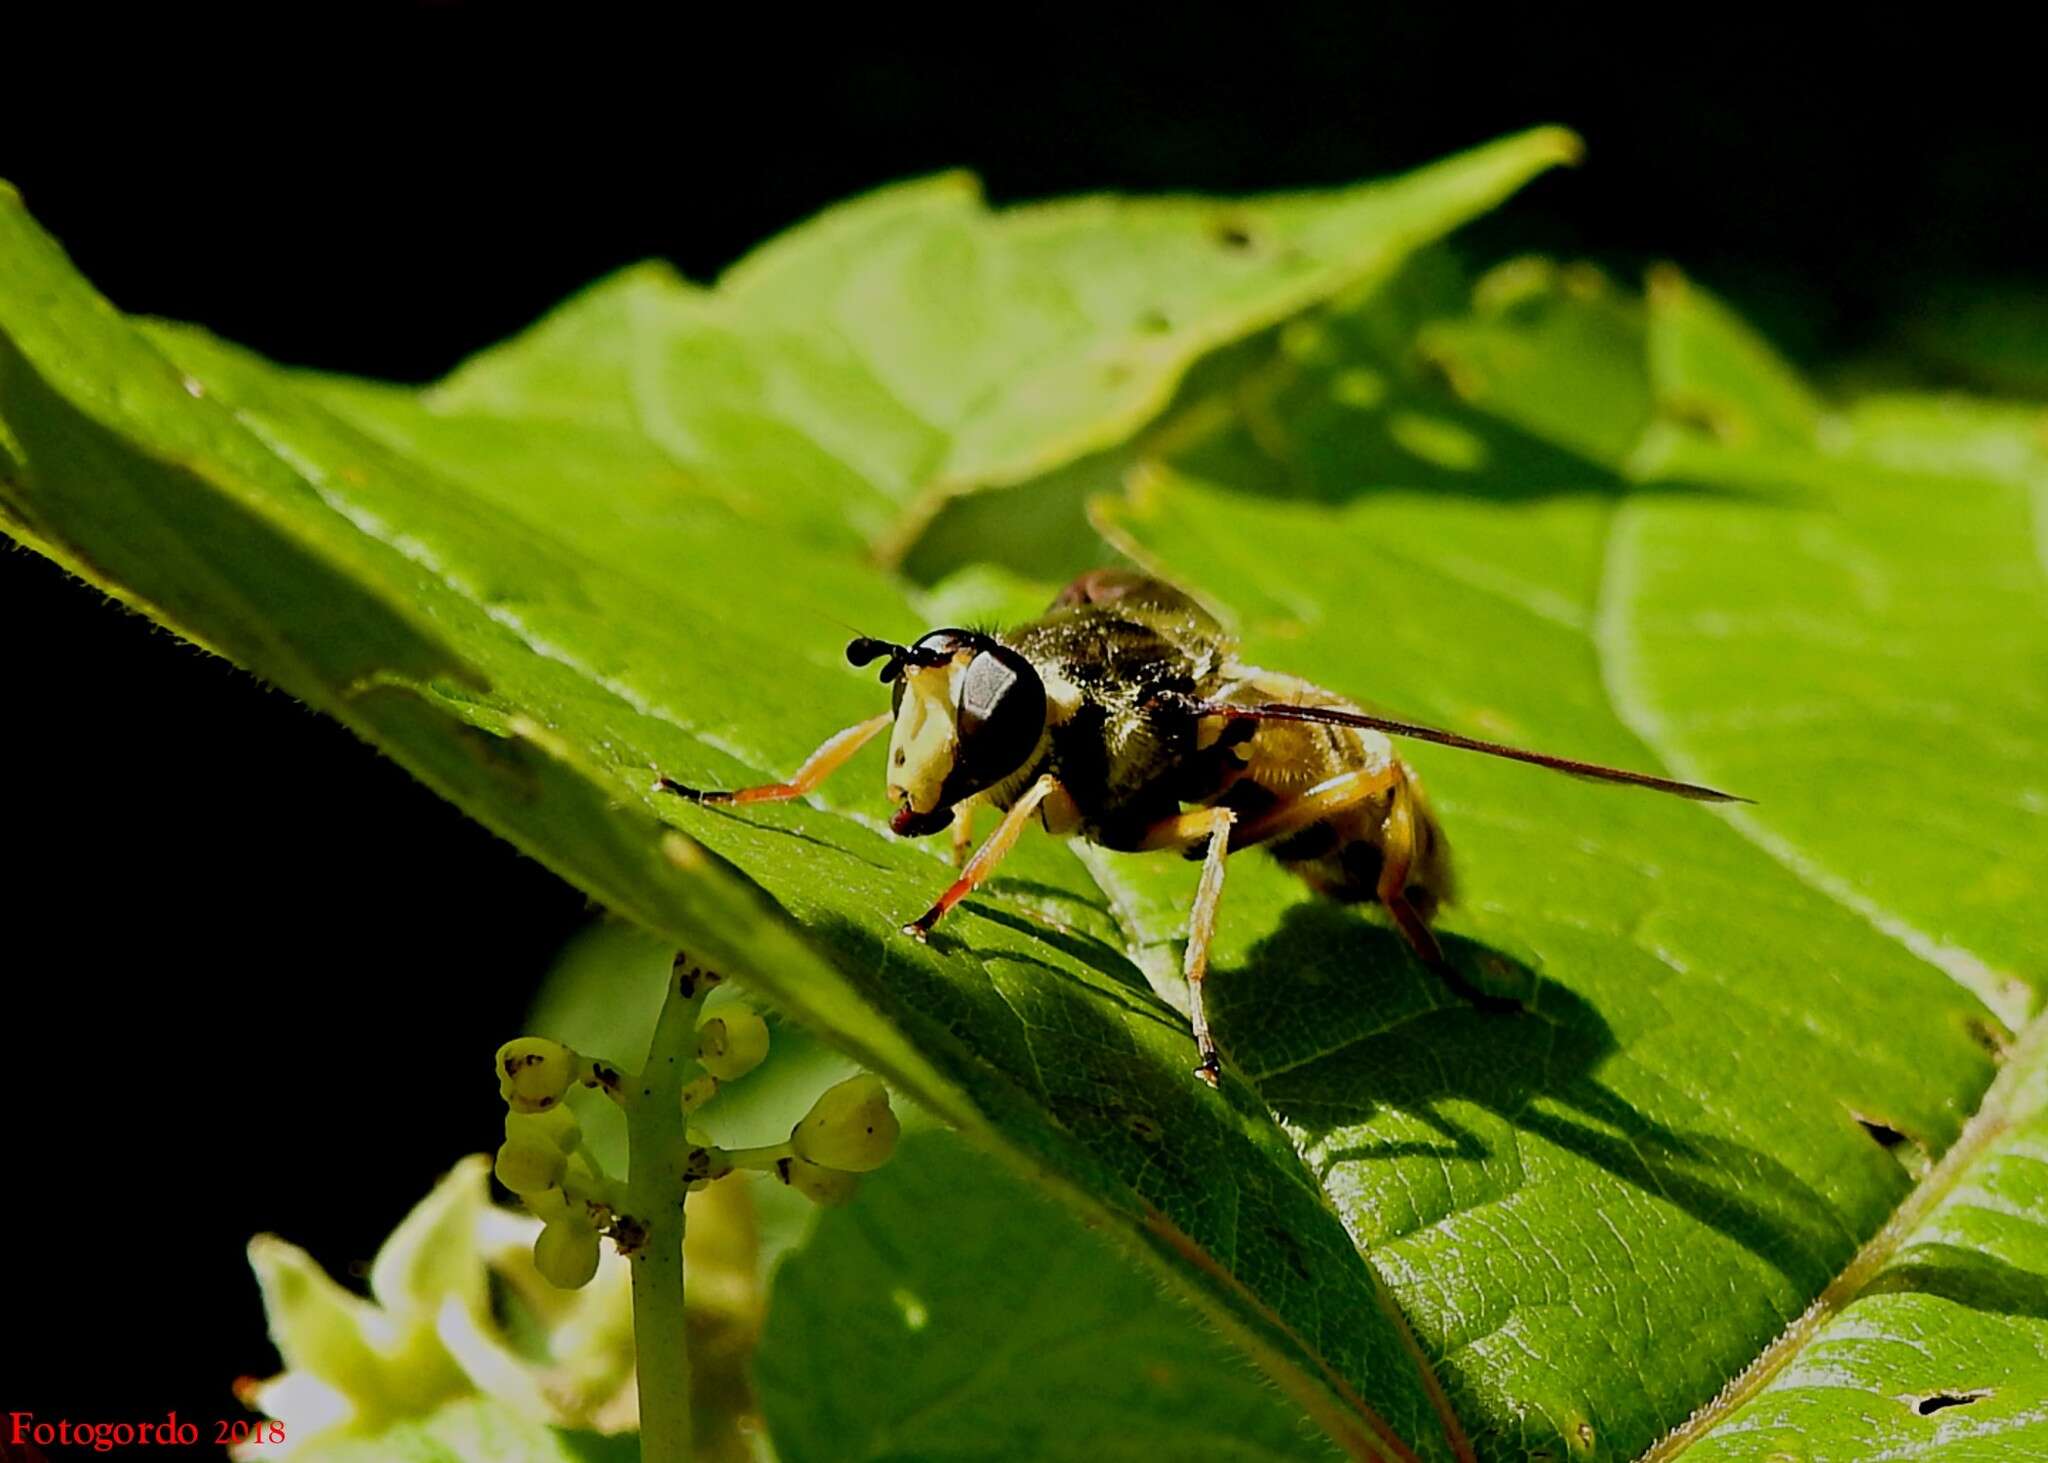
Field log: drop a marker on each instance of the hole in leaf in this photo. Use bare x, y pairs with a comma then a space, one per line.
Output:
1910, 1152
1933, 1402
1144, 1127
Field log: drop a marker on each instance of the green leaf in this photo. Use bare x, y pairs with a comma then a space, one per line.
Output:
1878, 618
1709, 368
474, 1431
1935, 1343
1990, 335
911, 346
1677, 1140
953, 1312
622, 541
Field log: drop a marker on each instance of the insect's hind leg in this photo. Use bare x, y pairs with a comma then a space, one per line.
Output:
1400, 847
837, 750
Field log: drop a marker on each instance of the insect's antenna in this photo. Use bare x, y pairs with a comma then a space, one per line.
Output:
865, 649
1332, 716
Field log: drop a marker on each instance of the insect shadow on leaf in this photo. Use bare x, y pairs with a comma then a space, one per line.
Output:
1967, 1277
1365, 1032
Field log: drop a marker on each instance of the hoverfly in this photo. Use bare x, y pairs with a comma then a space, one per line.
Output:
1123, 716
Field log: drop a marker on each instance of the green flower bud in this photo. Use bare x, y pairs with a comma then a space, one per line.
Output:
527, 1167
822, 1186
557, 1127
566, 1254
850, 1128
733, 1043
534, 1073
552, 1206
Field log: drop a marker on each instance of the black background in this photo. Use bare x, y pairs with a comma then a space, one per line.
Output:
253, 973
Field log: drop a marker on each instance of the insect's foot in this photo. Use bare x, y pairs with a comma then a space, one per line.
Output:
920, 929
1210, 1070
1478, 999
689, 794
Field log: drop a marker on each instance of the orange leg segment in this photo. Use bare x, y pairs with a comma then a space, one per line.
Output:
987, 856
821, 764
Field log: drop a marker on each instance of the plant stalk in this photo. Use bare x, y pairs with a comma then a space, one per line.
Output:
658, 1146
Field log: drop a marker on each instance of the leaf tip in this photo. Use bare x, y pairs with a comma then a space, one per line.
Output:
1561, 144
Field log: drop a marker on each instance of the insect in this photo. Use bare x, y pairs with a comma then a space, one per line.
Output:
1123, 716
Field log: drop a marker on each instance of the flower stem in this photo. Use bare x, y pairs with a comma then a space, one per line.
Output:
765, 1156
658, 1146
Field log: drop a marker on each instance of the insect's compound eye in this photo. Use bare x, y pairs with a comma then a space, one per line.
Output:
1002, 714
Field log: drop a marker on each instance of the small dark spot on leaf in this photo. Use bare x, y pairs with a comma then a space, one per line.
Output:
1154, 322
1233, 234
1988, 1035
1144, 1127
1882, 1134
1933, 1402
1290, 1250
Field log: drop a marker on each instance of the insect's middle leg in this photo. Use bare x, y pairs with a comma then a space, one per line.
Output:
837, 750
987, 856
1181, 830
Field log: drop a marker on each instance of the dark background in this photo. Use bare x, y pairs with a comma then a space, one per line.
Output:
222, 911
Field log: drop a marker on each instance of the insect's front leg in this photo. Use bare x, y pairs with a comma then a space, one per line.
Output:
963, 832
837, 750
987, 856
1183, 830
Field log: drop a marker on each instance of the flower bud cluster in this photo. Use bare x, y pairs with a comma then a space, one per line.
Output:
849, 1131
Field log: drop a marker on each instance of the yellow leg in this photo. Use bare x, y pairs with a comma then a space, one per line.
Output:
1180, 830
1325, 800
963, 832
987, 856
821, 764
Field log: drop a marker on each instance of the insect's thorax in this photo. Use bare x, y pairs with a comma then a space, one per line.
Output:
1106, 741
1126, 759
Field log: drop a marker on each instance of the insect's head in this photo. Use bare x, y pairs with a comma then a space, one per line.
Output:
969, 713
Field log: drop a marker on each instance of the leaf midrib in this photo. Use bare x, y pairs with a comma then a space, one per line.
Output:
1999, 991
1984, 1128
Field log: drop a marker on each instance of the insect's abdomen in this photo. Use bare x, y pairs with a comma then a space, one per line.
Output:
1345, 856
